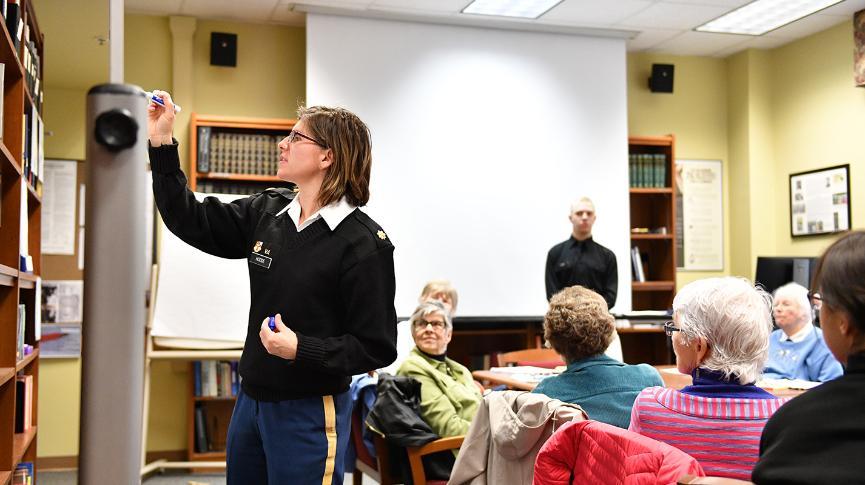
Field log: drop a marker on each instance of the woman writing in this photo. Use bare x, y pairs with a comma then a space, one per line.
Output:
322, 267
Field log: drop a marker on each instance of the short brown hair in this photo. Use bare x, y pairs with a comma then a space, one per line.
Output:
578, 324
840, 277
348, 138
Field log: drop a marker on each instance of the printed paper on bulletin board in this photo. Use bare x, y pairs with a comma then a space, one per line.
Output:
699, 215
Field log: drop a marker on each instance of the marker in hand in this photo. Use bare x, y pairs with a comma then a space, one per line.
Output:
156, 99
271, 322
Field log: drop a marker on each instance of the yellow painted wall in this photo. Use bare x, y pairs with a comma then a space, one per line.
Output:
696, 112
819, 120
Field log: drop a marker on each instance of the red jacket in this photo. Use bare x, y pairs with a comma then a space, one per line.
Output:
594, 452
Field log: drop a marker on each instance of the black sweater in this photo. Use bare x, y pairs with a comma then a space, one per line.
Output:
335, 289
818, 437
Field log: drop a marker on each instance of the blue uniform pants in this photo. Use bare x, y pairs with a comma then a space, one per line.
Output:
298, 441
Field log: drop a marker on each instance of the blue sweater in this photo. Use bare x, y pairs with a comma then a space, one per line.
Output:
604, 387
809, 359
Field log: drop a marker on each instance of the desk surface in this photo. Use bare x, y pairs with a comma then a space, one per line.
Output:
671, 377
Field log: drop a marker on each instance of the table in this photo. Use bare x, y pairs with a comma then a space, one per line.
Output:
671, 377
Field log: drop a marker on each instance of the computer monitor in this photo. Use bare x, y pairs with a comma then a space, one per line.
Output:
774, 272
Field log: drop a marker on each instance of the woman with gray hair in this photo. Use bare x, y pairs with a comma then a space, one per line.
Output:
797, 349
449, 395
720, 333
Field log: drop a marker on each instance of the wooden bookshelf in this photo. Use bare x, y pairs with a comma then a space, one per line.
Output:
20, 183
653, 207
216, 413
235, 155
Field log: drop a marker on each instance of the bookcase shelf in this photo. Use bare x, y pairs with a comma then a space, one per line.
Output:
21, 444
650, 191
27, 361
236, 176
653, 211
235, 155
6, 373
21, 53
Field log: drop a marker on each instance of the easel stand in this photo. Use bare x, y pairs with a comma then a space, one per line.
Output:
179, 355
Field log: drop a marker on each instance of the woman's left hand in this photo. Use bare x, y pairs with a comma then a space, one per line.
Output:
281, 342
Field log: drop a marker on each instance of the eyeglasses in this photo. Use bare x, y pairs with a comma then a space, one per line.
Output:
816, 298
435, 324
293, 136
669, 328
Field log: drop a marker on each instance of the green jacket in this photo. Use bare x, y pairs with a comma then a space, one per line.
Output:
449, 397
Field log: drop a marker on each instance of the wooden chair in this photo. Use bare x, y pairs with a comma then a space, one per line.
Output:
376, 468
547, 358
692, 480
379, 468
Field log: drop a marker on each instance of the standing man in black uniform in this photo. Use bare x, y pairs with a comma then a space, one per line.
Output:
582, 261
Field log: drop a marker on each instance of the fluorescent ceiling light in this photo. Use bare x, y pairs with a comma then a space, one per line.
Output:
530, 9
761, 16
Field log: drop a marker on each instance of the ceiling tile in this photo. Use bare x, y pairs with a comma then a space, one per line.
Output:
729, 4
251, 11
846, 8
664, 15
594, 12
163, 7
692, 43
649, 38
807, 26
285, 14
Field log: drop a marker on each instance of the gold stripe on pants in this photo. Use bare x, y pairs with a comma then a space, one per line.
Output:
330, 433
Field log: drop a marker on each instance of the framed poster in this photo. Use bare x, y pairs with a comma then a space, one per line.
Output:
820, 201
699, 215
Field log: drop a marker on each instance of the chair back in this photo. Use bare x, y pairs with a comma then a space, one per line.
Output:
547, 358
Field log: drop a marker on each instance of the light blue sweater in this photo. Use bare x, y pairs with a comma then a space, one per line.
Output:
604, 387
809, 359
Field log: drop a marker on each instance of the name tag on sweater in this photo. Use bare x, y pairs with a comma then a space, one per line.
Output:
260, 260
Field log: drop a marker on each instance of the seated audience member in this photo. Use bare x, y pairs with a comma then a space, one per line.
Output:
819, 437
579, 327
443, 291
720, 334
449, 395
797, 349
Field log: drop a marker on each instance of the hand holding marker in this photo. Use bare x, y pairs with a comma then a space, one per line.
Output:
156, 99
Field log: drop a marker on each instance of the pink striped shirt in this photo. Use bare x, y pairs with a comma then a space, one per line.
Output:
723, 434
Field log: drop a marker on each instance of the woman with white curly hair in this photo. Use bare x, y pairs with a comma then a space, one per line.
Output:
797, 349
720, 333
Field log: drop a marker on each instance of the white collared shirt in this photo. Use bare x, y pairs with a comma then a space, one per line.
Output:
332, 213
799, 336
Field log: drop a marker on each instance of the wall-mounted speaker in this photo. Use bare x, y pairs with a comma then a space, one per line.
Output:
662, 78
223, 49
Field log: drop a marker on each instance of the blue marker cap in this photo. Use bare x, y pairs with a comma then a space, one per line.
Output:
156, 99
271, 322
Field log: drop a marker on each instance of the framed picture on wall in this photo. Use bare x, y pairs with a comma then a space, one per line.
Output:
820, 201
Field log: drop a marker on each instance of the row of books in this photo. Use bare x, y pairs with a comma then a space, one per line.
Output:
241, 153
233, 187
647, 170
637, 269
14, 20
22, 349
33, 149
24, 474
23, 403
214, 378
211, 428
32, 68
